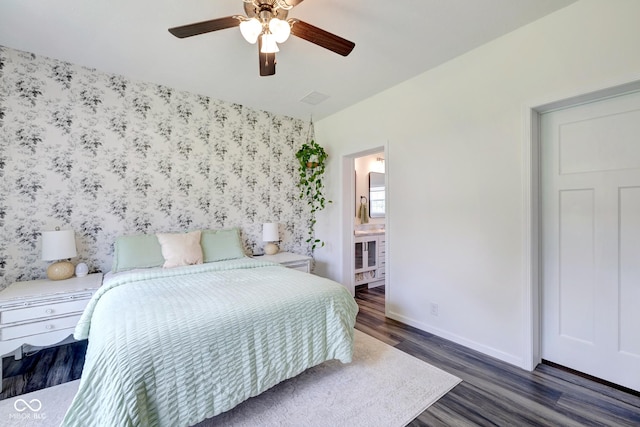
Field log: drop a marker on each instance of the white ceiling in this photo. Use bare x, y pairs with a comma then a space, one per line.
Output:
395, 41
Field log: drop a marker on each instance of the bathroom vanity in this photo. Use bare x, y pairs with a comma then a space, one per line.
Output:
369, 262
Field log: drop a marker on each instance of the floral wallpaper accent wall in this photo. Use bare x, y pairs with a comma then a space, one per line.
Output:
106, 156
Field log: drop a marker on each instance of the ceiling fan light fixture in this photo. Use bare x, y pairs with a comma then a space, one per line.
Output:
280, 29
267, 23
269, 44
251, 30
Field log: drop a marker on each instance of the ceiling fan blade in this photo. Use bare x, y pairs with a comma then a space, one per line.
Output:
267, 61
205, 26
321, 37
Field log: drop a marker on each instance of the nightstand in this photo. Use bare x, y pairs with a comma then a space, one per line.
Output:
291, 260
42, 312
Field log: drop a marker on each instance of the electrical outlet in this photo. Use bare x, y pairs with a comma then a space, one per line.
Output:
434, 309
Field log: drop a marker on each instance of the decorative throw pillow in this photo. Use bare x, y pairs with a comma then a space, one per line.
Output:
180, 248
220, 245
136, 251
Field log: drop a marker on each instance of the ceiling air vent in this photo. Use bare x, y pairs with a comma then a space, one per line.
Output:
314, 98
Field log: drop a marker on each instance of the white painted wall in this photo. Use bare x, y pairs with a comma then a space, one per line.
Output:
456, 172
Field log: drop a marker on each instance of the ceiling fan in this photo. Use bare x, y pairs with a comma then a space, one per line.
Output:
266, 23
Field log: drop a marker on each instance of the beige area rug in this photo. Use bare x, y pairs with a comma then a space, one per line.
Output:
383, 386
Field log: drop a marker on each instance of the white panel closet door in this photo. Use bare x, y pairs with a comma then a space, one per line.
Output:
591, 238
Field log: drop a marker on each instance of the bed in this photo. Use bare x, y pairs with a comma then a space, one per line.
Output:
174, 346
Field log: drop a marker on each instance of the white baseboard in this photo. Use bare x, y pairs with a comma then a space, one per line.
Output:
489, 351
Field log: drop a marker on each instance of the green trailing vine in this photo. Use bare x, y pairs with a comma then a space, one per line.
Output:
312, 157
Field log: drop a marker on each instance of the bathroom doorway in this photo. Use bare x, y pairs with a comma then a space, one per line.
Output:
365, 218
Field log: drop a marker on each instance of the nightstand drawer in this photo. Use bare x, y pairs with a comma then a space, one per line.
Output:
300, 266
37, 328
42, 311
291, 260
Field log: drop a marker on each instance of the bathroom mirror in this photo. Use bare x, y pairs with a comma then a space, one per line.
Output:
376, 195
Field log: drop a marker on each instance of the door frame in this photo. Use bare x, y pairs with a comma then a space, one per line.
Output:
348, 217
532, 227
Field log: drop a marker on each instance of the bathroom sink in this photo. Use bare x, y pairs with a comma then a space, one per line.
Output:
368, 232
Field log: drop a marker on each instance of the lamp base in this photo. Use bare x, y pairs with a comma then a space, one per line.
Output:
271, 249
60, 270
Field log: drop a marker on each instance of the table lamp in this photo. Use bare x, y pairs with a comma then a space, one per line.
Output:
270, 235
56, 246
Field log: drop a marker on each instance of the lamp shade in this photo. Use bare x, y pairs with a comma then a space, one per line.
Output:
58, 244
251, 29
280, 29
270, 232
269, 44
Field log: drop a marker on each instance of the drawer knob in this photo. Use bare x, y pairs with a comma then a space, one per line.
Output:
49, 311
49, 327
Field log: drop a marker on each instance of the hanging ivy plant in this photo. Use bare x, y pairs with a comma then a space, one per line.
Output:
312, 157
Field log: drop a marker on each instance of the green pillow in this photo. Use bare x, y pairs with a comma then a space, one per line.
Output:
220, 245
136, 251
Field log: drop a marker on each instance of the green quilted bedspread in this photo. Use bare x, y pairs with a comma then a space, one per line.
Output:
171, 347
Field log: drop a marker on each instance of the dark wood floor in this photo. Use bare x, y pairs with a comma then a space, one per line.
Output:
492, 393
46, 368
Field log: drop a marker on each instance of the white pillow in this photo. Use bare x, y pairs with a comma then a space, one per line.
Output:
180, 248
